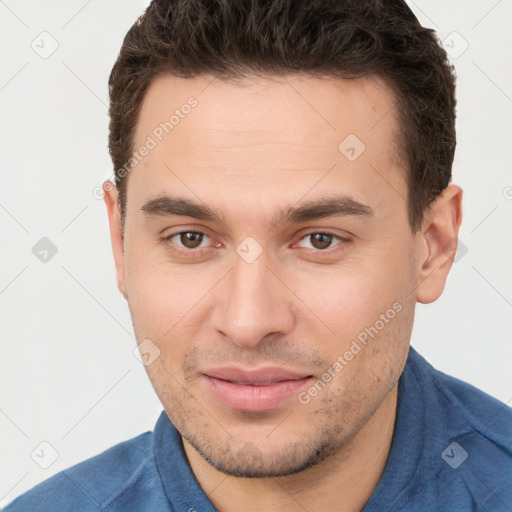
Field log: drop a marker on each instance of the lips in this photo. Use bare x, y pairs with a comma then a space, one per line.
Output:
254, 390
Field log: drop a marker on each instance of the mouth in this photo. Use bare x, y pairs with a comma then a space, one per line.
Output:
254, 390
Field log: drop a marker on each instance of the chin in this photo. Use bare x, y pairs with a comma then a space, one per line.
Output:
247, 460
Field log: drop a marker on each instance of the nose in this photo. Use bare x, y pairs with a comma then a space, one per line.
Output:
252, 302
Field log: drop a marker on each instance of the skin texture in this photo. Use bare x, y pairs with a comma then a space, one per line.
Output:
250, 151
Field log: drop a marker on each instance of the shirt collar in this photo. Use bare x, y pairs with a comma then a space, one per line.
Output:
180, 485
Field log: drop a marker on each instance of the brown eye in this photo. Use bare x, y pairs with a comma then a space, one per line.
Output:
320, 240
191, 239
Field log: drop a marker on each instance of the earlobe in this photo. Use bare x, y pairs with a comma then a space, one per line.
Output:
111, 198
439, 237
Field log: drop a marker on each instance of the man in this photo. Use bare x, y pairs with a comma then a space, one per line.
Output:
282, 201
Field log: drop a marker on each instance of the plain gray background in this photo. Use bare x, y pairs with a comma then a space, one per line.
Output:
69, 378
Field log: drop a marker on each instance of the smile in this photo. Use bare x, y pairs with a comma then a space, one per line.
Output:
254, 391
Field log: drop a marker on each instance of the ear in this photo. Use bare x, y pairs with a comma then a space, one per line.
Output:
438, 240
110, 197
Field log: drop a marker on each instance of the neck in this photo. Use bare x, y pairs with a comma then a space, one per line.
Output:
343, 481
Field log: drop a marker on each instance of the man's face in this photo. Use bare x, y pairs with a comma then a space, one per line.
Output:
251, 315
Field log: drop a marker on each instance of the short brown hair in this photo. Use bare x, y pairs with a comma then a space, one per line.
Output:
344, 38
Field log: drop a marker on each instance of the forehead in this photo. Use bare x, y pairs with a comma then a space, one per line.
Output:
269, 136
267, 107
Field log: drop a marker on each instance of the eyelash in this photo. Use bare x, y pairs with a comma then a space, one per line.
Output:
195, 253
191, 253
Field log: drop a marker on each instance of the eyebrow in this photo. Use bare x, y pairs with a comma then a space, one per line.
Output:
327, 206
330, 206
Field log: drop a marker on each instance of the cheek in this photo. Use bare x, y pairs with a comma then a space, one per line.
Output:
155, 287
169, 305
157, 299
366, 300
352, 297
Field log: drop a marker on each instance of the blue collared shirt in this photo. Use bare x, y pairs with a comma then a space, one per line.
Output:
451, 451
